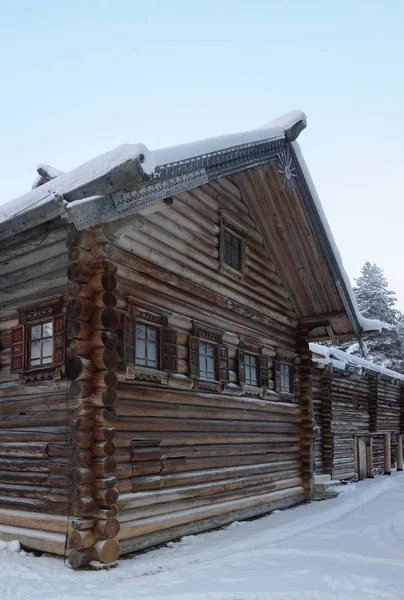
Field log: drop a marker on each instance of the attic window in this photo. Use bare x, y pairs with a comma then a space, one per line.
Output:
232, 247
232, 250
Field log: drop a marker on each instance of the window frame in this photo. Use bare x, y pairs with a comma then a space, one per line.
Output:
40, 313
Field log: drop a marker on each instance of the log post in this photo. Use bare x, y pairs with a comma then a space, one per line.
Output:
369, 459
400, 452
90, 367
326, 418
387, 454
306, 404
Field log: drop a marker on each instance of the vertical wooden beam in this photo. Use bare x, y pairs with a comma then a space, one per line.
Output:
307, 423
373, 393
387, 454
369, 459
326, 420
399, 452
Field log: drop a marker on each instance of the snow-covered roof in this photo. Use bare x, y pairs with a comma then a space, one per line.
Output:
151, 160
97, 191
341, 360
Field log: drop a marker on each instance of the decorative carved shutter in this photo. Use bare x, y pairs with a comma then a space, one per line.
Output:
170, 350
130, 340
296, 381
223, 364
241, 367
264, 371
17, 363
59, 339
194, 356
277, 376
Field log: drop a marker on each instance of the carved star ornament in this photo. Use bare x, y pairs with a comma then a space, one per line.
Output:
287, 170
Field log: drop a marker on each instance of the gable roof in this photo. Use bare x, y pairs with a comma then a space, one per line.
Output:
131, 176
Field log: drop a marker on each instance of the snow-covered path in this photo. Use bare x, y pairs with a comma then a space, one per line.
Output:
349, 547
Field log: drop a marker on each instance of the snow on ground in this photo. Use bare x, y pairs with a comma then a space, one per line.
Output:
348, 547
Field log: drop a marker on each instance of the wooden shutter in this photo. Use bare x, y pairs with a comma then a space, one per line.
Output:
296, 381
194, 356
130, 340
223, 364
170, 350
263, 371
277, 376
241, 367
17, 362
59, 339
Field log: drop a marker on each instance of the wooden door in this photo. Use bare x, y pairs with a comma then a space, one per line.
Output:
362, 459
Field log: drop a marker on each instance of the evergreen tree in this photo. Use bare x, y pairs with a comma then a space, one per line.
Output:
376, 301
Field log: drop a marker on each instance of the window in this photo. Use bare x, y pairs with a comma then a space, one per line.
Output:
285, 378
250, 369
252, 366
149, 344
232, 250
287, 373
146, 346
232, 247
38, 342
208, 356
207, 361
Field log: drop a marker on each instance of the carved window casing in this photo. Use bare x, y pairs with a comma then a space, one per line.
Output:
39, 341
209, 359
149, 345
232, 247
253, 369
287, 374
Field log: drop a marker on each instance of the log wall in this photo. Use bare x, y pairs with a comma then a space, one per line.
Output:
34, 416
191, 457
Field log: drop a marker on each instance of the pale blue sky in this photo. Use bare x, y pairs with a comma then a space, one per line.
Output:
81, 77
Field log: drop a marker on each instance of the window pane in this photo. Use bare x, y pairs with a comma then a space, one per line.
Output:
47, 360
236, 242
35, 362
140, 348
36, 332
47, 329
152, 351
35, 349
151, 333
140, 361
227, 254
47, 347
210, 350
140, 331
211, 366
227, 237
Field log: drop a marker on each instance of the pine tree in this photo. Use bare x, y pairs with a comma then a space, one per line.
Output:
376, 301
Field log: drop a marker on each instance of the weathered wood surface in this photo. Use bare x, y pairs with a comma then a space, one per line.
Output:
186, 457
34, 417
348, 408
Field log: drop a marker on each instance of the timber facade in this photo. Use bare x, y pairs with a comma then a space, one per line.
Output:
156, 377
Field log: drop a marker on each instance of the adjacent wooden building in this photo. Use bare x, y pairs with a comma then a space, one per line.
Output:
358, 410
156, 312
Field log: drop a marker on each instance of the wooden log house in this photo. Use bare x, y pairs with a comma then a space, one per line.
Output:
358, 410
156, 314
